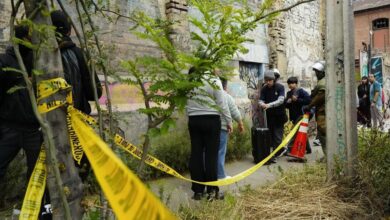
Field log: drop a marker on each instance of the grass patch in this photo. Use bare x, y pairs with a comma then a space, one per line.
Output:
298, 194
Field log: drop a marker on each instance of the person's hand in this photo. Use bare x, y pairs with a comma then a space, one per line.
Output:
289, 100
229, 128
294, 98
264, 106
373, 104
364, 96
241, 127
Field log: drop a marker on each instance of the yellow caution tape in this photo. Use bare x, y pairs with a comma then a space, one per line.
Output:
128, 196
154, 162
49, 87
36, 187
75, 145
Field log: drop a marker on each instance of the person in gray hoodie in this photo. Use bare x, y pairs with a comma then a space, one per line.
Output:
205, 109
235, 114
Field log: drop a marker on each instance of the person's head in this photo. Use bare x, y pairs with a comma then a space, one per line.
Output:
22, 32
364, 80
269, 78
292, 82
62, 22
319, 69
371, 77
217, 72
224, 83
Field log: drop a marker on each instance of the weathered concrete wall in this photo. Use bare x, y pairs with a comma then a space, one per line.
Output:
297, 40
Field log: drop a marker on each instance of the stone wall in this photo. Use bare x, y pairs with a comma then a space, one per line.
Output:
297, 40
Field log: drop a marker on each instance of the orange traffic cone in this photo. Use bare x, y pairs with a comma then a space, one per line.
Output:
298, 150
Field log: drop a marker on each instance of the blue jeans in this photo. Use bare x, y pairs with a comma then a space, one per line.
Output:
222, 153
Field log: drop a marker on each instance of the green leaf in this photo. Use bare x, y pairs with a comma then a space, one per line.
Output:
14, 89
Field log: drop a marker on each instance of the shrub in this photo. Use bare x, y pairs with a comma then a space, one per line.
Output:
174, 150
374, 166
239, 145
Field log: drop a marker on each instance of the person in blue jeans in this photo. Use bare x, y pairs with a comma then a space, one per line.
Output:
236, 116
376, 102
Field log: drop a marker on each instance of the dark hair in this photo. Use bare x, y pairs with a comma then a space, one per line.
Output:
292, 79
21, 31
61, 21
364, 77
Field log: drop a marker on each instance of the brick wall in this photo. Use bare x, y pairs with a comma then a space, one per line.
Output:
363, 24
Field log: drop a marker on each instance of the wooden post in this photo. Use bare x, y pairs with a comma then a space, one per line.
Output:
341, 129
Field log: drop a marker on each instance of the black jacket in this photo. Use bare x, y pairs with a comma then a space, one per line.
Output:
295, 108
364, 89
15, 107
271, 94
77, 75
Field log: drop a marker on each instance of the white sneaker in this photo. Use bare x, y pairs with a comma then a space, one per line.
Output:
226, 177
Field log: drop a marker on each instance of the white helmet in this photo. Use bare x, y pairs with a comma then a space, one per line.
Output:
276, 71
319, 66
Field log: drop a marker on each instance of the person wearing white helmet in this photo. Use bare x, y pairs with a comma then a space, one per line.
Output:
318, 101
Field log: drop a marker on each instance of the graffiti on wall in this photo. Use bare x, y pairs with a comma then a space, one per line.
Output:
303, 39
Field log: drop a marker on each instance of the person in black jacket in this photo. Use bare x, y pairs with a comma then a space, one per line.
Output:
19, 127
75, 66
272, 101
76, 73
364, 116
295, 100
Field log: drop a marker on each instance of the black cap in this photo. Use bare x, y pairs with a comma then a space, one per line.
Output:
61, 22
292, 79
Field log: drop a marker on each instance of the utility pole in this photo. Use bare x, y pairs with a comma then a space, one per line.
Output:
341, 132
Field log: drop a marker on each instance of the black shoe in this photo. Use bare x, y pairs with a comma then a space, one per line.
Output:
198, 196
215, 196
271, 161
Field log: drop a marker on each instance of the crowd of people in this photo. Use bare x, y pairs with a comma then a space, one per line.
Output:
371, 102
209, 127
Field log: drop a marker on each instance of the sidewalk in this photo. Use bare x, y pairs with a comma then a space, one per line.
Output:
179, 191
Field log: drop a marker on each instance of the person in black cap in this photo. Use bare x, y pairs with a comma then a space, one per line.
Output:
75, 66
76, 73
295, 100
272, 101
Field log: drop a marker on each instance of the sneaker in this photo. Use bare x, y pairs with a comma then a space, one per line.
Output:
215, 195
271, 161
198, 196
284, 152
226, 177
317, 142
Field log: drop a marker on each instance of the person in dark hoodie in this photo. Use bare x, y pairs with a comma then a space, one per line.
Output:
295, 100
76, 70
76, 73
19, 127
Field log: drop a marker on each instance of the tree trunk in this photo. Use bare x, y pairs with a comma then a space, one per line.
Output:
69, 184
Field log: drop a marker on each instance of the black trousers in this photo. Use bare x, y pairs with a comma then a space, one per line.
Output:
276, 129
205, 136
12, 140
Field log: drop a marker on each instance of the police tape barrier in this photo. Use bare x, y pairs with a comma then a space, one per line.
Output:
154, 162
128, 196
36, 187
77, 149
